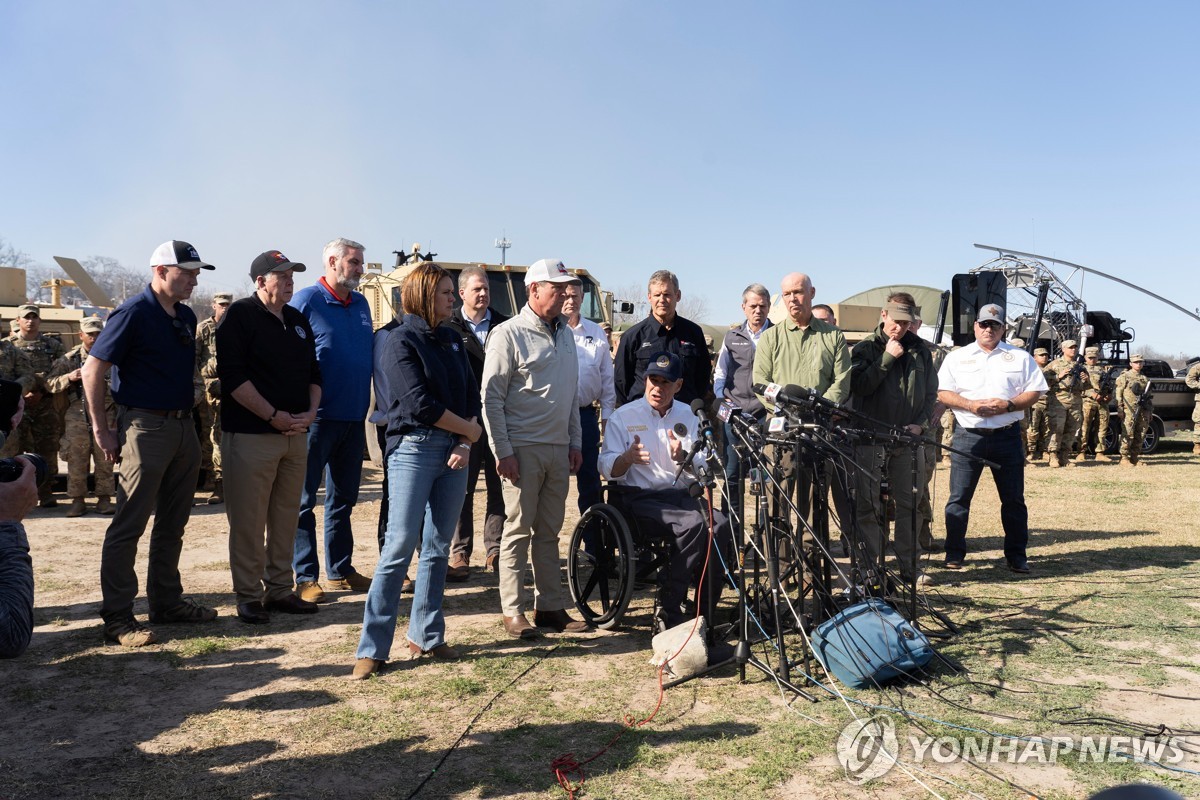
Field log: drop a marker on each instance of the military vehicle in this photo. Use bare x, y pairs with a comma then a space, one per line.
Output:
382, 289
57, 319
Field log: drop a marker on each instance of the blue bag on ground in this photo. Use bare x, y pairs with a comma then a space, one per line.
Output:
869, 643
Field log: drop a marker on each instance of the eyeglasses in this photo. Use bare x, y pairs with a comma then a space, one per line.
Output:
182, 331
990, 324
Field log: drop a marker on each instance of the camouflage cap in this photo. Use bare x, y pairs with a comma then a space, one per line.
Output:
1018, 342
1136, 357
27, 309
91, 325
1069, 343
1092, 351
1041, 351
223, 298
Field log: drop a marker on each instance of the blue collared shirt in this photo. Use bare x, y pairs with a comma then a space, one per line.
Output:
153, 353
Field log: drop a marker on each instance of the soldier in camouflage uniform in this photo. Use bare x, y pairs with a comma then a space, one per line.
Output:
1095, 406
1131, 387
1193, 382
41, 428
14, 366
1038, 432
65, 380
210, 404
1067, 418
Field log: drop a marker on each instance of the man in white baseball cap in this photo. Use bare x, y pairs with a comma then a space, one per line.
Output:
151, 341
532, 423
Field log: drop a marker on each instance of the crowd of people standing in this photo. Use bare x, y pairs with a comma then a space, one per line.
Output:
285, 379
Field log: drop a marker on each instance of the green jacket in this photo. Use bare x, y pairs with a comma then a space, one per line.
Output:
897, 391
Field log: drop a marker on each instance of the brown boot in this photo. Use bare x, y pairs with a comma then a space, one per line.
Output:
105, 506
77, 509
1053, 461
1102, 457
218, 493
1125, 462
1081, 457
1196, 449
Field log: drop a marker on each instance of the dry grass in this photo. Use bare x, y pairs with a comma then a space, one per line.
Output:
1105, 628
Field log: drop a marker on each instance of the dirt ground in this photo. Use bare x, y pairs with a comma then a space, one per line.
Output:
230, 710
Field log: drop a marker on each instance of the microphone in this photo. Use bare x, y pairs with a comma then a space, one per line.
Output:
793, 395
706, 426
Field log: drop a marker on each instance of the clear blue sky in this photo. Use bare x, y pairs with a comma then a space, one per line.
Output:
864, 142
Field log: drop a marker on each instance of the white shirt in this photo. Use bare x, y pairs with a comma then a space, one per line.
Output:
595, 367
721, 371
637, 418
976, 374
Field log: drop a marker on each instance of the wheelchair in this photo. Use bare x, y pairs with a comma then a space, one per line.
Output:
611, 553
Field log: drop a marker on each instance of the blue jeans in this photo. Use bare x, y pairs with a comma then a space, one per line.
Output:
335, 454
426, 496
588, 478
1003, 448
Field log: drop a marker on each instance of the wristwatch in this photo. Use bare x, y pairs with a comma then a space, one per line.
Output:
1010, 406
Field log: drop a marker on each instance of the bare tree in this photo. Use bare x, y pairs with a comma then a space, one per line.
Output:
693, 306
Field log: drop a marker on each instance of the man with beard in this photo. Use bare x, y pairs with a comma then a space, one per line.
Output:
341, 321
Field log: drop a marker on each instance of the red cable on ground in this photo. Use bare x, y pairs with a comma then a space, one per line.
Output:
565, 766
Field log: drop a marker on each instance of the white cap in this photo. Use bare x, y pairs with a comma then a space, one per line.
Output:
549, 270
177, 254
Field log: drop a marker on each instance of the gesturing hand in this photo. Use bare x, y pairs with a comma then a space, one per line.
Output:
677, 452
637, 453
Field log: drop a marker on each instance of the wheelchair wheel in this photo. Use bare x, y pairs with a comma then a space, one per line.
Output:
600, 563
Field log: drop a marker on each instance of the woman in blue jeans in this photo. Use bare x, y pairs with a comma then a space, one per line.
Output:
432, 402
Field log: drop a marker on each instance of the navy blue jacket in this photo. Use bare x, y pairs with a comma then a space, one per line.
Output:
424, 374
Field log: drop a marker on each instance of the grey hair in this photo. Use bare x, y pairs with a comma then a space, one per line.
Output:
664, 276
471, 271
338, 247
758, 289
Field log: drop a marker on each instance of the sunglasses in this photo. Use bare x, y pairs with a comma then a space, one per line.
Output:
182, 331
990, 324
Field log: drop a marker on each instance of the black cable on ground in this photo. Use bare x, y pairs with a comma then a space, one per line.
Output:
477, 717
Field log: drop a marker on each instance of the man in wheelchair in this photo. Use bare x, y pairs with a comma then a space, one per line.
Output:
645, 443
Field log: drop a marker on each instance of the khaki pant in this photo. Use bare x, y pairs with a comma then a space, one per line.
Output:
81, 451
534, 509
264, 475
872, 519
160, 459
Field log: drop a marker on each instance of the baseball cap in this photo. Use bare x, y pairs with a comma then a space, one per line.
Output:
91, 325
1041, 351
1136, 357
1092, 351
177, 254
1069, 343
549, 270
665, 365
223, 298
273, 261
991, 313
27, 309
